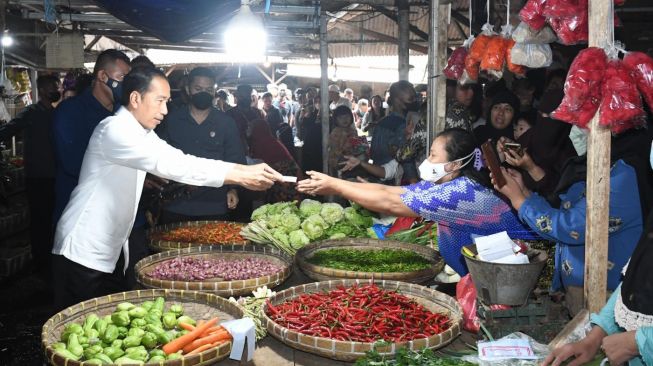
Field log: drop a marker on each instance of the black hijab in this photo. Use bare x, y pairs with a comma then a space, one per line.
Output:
488, 131
637, 286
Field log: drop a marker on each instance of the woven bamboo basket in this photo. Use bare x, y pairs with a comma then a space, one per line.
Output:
350, 351
221, 288
159, 245
320, 273
198, 305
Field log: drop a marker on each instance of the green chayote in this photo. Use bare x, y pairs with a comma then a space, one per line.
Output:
137, 312
89, 322
159, 304
100, 326
58, 346
113, 352
174, 356
138, 323
177, 309
186, 319
147, 305
137, 354
117, 343
157, 359
110, 334
72, 328
149, 340
104, 358
157, 352
131, 341
125, 306
74, 346
127, 361
66, 353
138, 332
83, 340
120, 318
92, 351
153, 318
122, 332
169, 320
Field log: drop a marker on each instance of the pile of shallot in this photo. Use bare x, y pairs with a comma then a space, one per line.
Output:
198, 269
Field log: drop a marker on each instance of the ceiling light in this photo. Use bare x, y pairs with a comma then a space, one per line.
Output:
6, 39
245, 38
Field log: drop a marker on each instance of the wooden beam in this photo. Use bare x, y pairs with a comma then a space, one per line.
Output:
378, 35
280, 79
598, 178
403, 14
388, 13
324, 94
92, 43
170, 69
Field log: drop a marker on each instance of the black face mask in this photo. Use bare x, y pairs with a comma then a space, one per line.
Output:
202, 100
413, 106
116, 89
54, 96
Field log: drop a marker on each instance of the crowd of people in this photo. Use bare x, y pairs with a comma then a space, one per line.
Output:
378, 156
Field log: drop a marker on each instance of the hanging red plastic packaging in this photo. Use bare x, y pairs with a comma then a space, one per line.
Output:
559, 8
574, 28
518, 70
456, 64
583, 87
495, 54
621, 104
477, 50
641, 69
533, 14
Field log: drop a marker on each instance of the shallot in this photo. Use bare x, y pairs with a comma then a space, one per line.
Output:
197, 269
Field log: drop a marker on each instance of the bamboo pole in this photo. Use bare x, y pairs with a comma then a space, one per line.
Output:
598, 177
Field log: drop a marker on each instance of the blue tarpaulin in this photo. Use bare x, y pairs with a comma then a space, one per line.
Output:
172, 20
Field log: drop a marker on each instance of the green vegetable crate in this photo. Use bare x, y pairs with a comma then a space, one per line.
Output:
305, 256
118, 313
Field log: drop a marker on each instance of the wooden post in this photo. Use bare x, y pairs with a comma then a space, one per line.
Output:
437, 57
324, 93
598, 177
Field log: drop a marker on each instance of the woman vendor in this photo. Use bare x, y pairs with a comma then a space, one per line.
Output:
454, 192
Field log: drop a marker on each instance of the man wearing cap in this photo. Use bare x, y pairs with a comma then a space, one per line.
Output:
335, 100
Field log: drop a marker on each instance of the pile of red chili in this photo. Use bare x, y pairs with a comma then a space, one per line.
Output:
361, 314
214, 233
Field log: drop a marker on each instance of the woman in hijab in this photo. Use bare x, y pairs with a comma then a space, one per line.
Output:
265, 146
502, 115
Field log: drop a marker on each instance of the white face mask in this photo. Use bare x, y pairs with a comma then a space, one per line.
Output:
433, 172
578, 138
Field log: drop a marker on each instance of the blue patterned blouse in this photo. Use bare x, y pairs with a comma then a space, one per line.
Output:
463, 208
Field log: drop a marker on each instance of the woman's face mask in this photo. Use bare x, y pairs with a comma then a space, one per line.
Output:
433, 172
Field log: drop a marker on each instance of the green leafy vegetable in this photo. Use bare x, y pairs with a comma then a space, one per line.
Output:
405, 357
309, 207
382, 260
331, 212
314, 226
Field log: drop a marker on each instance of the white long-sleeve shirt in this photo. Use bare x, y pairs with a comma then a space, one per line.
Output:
99, 216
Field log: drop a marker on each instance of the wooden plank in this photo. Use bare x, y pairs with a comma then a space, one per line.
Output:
598, 177
378, 35
440, 80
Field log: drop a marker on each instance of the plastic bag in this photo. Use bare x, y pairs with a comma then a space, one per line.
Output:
516, 69
583, 88
495, 54
621, 104
477, 50
541, 352
560, 8
524, 33
574, 29
641, 68
532, 14
531, 55
585, 75
456, 64
466, 296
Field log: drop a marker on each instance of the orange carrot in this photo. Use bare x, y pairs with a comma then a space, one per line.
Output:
179, 343
187, 327
211, 330
212, 338
200, 349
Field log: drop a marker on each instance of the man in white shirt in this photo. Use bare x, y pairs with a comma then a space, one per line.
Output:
98, 218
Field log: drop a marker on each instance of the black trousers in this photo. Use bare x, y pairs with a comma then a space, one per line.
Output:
40, 198
75, 283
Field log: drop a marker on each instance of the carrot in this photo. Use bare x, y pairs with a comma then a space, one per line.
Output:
179, 343
187, 327
212, 329
212, 338
200, 349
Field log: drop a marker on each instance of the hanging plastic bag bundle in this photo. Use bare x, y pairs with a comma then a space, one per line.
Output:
533, 14
641, 69
573, 28
531, 55
516, 69
475, 55
560, 8
525, 34
456, 64
621, 104
582, 87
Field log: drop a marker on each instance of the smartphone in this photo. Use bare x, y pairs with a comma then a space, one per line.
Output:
492, 161
515, 147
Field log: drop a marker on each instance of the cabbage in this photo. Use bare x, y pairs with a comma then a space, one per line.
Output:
290, 222
309, 207
260, 213
274, 221
298, 239
331, 212
355, 218
314, 227
281, 235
